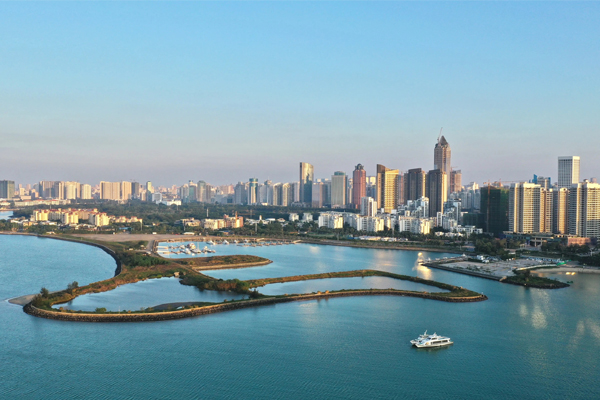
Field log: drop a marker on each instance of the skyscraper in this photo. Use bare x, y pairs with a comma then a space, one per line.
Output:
560, 211
110, 190
584, 210
253, 191
306, 181
338, 189
436, 190
529, 208
568, 171
7, 189
494, 209
359, 185
414, 184
387, 188
455, 181
441, 156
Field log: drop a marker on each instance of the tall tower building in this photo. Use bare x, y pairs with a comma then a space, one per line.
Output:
338, 189
306, 182
58, 190
529, 208
253, 191
568, 171
7, 189
584, 210
414, 184
125, 190
110, 190
86, 191
387, 188
149, 187
368, 206
455, 181
436, 190
359, 185
135, 190
441, 156
560, 212
494, 208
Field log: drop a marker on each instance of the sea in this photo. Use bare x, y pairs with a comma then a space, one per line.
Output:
521, 343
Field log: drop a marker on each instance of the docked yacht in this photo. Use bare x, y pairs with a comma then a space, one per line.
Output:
431, 341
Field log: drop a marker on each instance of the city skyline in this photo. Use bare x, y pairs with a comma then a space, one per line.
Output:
125, 95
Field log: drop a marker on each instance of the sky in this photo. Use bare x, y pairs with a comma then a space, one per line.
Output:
222, 92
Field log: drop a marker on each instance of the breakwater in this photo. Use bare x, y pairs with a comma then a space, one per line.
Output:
193, 312
229, 266
462, 271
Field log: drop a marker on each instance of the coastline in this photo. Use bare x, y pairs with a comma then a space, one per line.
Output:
582, 270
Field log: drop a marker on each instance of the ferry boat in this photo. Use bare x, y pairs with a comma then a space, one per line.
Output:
426, 341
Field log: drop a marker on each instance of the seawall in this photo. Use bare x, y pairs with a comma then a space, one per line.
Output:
193, 312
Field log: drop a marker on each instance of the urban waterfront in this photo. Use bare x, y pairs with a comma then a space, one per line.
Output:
519, 343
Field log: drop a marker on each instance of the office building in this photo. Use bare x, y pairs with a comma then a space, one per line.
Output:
568, 171
414, 184
252, 191
306, 182
7, 189
436, 190
442, 156
359, 185
387, 188
494, 209
455, 181
338, 189
125, 190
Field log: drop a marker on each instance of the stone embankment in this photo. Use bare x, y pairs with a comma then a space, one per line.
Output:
192, 312
230, 266
381, 245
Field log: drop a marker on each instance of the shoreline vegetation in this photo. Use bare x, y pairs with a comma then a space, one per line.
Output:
133, 266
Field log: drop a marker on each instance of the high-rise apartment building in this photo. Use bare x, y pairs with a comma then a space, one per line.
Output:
584, 210
368, 206
306, 182
359, 185
387, 188
529, 208
494, 209
338, 189
7, 189
240, 195
436, 190
560, 211
149, 187
568, 171
72, 190
110, 190
86, 192
414, 184
125, 190
58, 190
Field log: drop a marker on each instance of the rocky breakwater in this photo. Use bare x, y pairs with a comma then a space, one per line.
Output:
192, 312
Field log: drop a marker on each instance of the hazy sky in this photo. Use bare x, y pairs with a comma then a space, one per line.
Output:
223, 92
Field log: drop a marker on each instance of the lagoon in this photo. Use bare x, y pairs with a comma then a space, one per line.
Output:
521, 343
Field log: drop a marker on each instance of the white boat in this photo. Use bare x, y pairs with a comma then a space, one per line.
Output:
210, 242
431, 341
225, 242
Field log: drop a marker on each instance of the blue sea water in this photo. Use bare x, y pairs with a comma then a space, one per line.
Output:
521, 343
